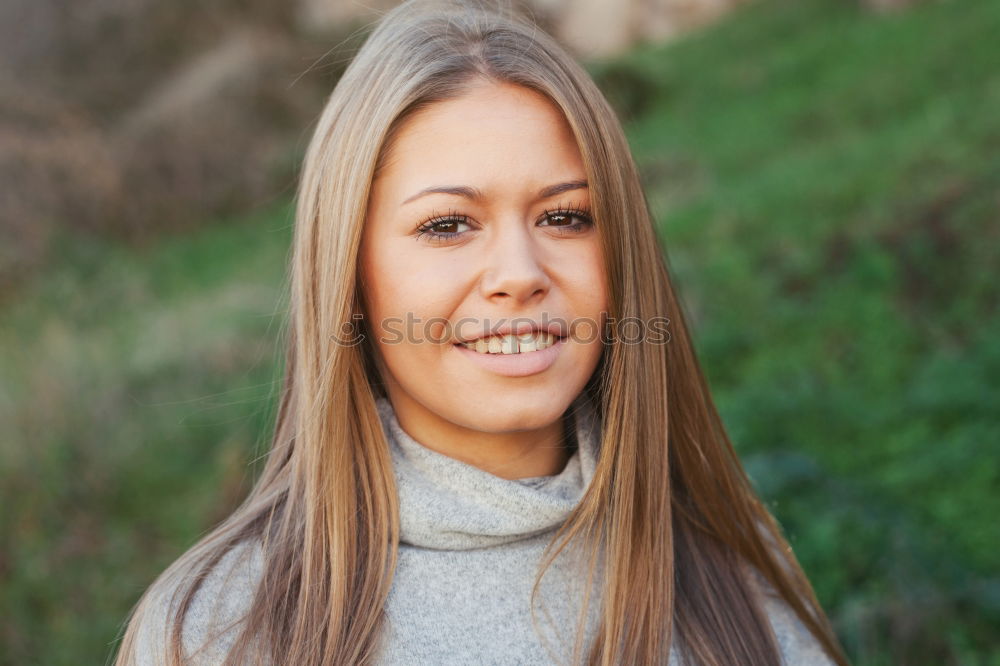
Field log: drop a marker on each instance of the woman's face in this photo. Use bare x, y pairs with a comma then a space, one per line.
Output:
478, 223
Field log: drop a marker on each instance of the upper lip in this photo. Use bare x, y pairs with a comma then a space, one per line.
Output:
555, 328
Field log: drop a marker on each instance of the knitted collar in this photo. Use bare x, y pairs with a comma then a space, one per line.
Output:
446, 504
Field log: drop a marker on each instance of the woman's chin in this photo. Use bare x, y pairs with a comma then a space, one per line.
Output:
511, 414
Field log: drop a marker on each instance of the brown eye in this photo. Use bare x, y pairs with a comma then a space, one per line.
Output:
571, 220
438, 229
445, 226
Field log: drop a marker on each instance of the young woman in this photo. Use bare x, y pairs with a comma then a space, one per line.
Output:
494, 442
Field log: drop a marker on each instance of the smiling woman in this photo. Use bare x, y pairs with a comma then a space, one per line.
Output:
508, 251
511, 477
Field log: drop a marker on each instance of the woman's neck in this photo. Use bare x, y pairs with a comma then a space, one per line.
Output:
518, 454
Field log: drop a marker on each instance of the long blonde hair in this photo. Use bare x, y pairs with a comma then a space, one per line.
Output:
669, 505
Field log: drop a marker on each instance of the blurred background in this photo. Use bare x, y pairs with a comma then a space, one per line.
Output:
825, 176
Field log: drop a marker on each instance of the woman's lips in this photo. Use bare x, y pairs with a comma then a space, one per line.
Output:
522, 364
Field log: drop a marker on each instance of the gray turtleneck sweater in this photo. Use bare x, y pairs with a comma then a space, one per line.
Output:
469, 551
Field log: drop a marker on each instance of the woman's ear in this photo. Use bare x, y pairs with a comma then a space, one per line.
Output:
374, 365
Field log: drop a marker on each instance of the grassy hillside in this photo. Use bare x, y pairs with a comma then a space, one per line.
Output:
828, 190
827, 185
136, 389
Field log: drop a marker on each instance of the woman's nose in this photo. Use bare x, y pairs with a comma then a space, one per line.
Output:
513, 269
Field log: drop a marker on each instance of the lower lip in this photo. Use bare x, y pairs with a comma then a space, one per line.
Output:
523, 364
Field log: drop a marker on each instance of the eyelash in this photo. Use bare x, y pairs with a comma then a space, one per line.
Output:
426, 227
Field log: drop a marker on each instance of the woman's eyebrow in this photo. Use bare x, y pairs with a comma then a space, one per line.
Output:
553, 190
475, 194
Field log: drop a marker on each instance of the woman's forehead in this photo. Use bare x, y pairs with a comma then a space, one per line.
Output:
491, 135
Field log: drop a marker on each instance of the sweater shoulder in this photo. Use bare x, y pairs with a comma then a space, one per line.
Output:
214, 618
796, 643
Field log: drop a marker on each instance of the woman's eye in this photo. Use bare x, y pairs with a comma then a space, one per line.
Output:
567, 219
443, 227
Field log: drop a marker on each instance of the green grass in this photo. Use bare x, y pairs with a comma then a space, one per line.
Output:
827, 185
136, 389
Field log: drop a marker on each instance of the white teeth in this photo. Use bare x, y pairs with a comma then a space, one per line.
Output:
512, 344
